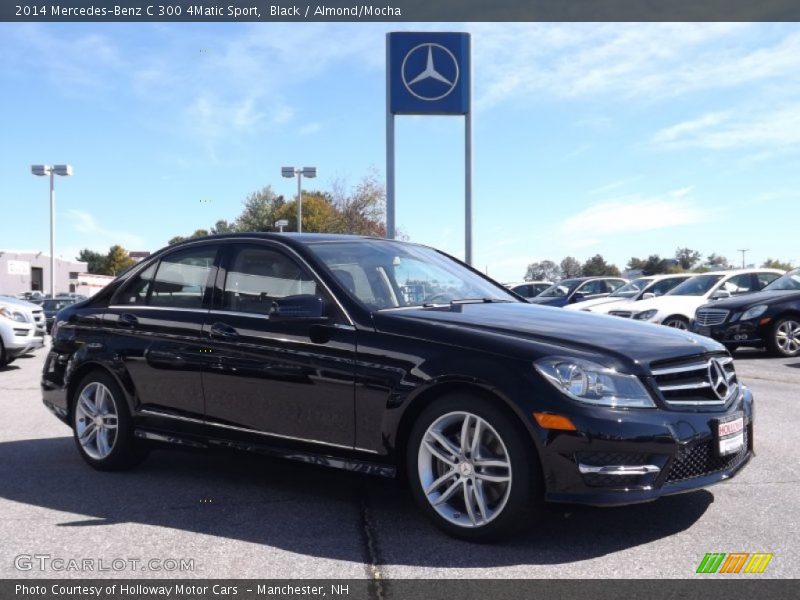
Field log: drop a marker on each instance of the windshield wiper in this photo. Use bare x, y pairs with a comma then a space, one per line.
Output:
478, 301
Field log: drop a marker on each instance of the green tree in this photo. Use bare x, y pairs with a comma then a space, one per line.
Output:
95, 261
597, 266
260, 211
545, 270
777, 264
117, 260
655, 265
687, 258
223, 226
636, 264
715, 261
570, 267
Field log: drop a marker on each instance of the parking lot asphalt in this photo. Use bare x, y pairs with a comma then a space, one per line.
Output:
240, 516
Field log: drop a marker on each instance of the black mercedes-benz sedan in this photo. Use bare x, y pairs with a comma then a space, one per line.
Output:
768, 319
393, 358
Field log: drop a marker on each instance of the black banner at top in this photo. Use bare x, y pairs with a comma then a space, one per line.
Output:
398, 10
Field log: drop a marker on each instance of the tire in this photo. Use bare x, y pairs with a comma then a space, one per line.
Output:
784, 339
5, 359
102, 425
511, 498
677, 322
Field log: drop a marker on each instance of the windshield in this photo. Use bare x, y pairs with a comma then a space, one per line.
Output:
629, 290
696, 286
56, 304
790, 281
386, 274
561, 289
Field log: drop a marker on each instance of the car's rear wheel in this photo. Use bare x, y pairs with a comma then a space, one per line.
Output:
676, 322
785, 338
102, 425
471, 469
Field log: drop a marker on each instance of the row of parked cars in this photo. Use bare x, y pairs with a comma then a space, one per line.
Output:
25, 320
743, 307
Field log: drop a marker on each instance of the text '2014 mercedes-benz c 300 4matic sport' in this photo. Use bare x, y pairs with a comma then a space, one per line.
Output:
393, 358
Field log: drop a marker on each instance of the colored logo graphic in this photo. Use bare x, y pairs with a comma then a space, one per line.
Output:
736, 562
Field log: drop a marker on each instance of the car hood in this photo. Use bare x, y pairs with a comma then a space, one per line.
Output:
553, 330
682, 305
596, 302
756, 298
17, 303
554, 300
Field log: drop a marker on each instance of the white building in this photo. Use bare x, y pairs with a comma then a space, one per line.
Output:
25, 271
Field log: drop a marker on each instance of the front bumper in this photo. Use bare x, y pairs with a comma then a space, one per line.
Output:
22, 343
626, 457
742, 333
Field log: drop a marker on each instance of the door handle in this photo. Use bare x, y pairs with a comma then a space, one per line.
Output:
222, 331
127, 320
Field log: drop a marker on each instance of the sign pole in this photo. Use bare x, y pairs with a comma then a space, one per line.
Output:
390, 229
468, 170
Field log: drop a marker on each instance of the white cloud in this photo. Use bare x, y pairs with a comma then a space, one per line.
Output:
631, 214
777, 129
97, 235
646, 61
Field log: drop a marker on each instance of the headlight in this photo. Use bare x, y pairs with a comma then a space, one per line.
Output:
13, 315
755, 312
646, 315
591, 383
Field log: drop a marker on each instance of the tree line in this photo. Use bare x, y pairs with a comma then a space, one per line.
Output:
359, 210
685, 260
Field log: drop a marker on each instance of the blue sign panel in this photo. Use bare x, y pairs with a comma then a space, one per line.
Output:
428, 73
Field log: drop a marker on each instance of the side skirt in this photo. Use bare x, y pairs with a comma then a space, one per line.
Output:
325, 460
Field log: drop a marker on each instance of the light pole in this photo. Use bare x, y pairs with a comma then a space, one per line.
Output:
289, 172
41, 171
743, 251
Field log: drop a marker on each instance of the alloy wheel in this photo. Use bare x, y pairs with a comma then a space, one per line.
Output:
677, 324
787, 336
96, 420
464, 469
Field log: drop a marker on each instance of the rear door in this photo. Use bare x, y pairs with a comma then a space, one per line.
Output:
289, 379
157, 320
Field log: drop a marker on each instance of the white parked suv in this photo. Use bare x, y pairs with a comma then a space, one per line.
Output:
677, 307
642, 288
21, 328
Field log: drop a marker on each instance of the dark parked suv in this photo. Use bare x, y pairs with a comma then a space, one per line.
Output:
569, 291
379, 356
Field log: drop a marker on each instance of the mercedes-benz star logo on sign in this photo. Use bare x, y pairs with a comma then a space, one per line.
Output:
430, 72
718, 379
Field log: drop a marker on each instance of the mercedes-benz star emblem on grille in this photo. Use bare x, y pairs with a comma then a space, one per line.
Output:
718, 379
437, 55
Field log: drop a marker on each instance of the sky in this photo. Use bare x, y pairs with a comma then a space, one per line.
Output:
619, 139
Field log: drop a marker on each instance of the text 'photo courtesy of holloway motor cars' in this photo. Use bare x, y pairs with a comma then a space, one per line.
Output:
394, 359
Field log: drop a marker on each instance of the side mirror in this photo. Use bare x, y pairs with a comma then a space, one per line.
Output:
577, 297
304, 308
720, 295
648, 295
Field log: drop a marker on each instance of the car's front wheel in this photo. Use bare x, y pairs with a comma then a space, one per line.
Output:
471, 469
102, 425
785, 339
676, 322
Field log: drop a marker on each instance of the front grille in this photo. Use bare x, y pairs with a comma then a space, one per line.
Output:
706, 381
625, 314
706, 317
38, 318
702, 460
